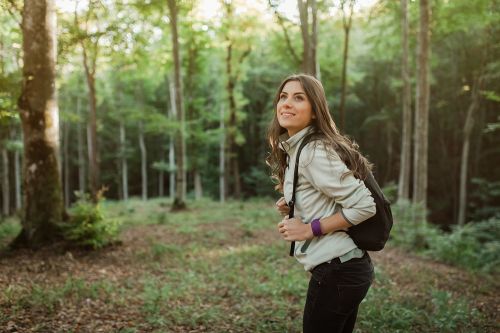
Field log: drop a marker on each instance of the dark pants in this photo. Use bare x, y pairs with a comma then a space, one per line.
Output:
335, 292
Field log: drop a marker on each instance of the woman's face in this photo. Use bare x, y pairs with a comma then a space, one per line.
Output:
294, 110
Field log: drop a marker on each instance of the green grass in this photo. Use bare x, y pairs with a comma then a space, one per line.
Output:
208, 267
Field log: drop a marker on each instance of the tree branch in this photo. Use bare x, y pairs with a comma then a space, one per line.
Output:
281, 22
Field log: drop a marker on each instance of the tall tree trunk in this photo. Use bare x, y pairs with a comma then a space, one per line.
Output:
422, 108
309, 35
347, 23
464, 162
124, 166
144, 163
93, 149
405, 163
66, 164
82, 173
161, 183
5, 182
180, 190
232, 124
17, 179
43, 206
171, 145
198, 187
222, 159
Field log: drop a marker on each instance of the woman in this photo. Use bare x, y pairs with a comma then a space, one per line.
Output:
330, 197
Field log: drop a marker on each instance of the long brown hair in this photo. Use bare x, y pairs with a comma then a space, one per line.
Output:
324, 128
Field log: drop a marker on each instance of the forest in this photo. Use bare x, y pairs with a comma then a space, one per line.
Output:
117, 116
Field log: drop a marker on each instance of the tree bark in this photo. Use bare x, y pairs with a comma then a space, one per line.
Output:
17, 179
222, 159
124, 165
5, 182
464, 162
309, 35
171, 145
66, 164
93, 148
144, 163
43, 206
232, 124
422, 108
82, 174
179, 141
198, 188
405, 159
347, 23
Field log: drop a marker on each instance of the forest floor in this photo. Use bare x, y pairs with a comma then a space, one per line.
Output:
221, 269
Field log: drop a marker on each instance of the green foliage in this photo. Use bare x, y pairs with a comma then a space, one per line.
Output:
9, 228
88, 226
484, 199
385, 310
474, 246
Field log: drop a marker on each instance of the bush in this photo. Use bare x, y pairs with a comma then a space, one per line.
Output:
87, 225
475, 245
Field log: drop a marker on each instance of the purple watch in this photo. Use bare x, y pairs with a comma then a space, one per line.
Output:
316, 228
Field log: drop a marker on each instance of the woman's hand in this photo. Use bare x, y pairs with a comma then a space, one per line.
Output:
294, 230
282, 207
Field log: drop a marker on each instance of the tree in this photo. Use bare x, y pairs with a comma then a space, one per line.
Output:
309, 36
422, 107
405, 159
89, 43
43, 206
346, 23
180, 150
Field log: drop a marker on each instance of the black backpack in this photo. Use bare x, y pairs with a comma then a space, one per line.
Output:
371, 234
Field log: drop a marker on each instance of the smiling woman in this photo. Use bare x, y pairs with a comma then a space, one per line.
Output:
294, 109
329, 198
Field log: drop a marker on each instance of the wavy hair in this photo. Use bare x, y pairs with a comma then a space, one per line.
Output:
324, 128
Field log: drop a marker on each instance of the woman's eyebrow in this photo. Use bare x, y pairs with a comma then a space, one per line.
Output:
297, 93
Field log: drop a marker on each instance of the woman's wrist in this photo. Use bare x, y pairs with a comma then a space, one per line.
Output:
316, 228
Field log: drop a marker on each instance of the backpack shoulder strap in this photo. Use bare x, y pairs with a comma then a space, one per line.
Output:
291, 204
304, 142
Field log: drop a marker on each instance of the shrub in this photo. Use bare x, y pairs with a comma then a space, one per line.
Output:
87, 225
475, 245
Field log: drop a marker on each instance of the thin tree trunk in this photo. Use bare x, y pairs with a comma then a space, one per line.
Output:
66, 164
347, 23
464, 162
405, 163
180, 191
92, 142
309, 35
82, 173
198, 188
161, 183
171, 146
422, 108
124, 166
5, 182
43, 206
144, 163
232, 126
222, 159
17, 178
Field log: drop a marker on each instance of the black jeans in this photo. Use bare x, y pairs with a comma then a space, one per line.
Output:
335, 292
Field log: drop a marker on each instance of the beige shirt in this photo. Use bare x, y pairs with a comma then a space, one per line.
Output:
321, 193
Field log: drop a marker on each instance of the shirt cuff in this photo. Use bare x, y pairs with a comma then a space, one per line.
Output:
345, 217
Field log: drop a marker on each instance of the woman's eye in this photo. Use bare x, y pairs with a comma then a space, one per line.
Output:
282, 97
298, 98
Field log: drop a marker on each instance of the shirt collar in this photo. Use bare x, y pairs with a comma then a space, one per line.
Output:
287, 142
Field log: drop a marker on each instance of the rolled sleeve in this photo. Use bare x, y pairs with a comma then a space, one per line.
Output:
324, 170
